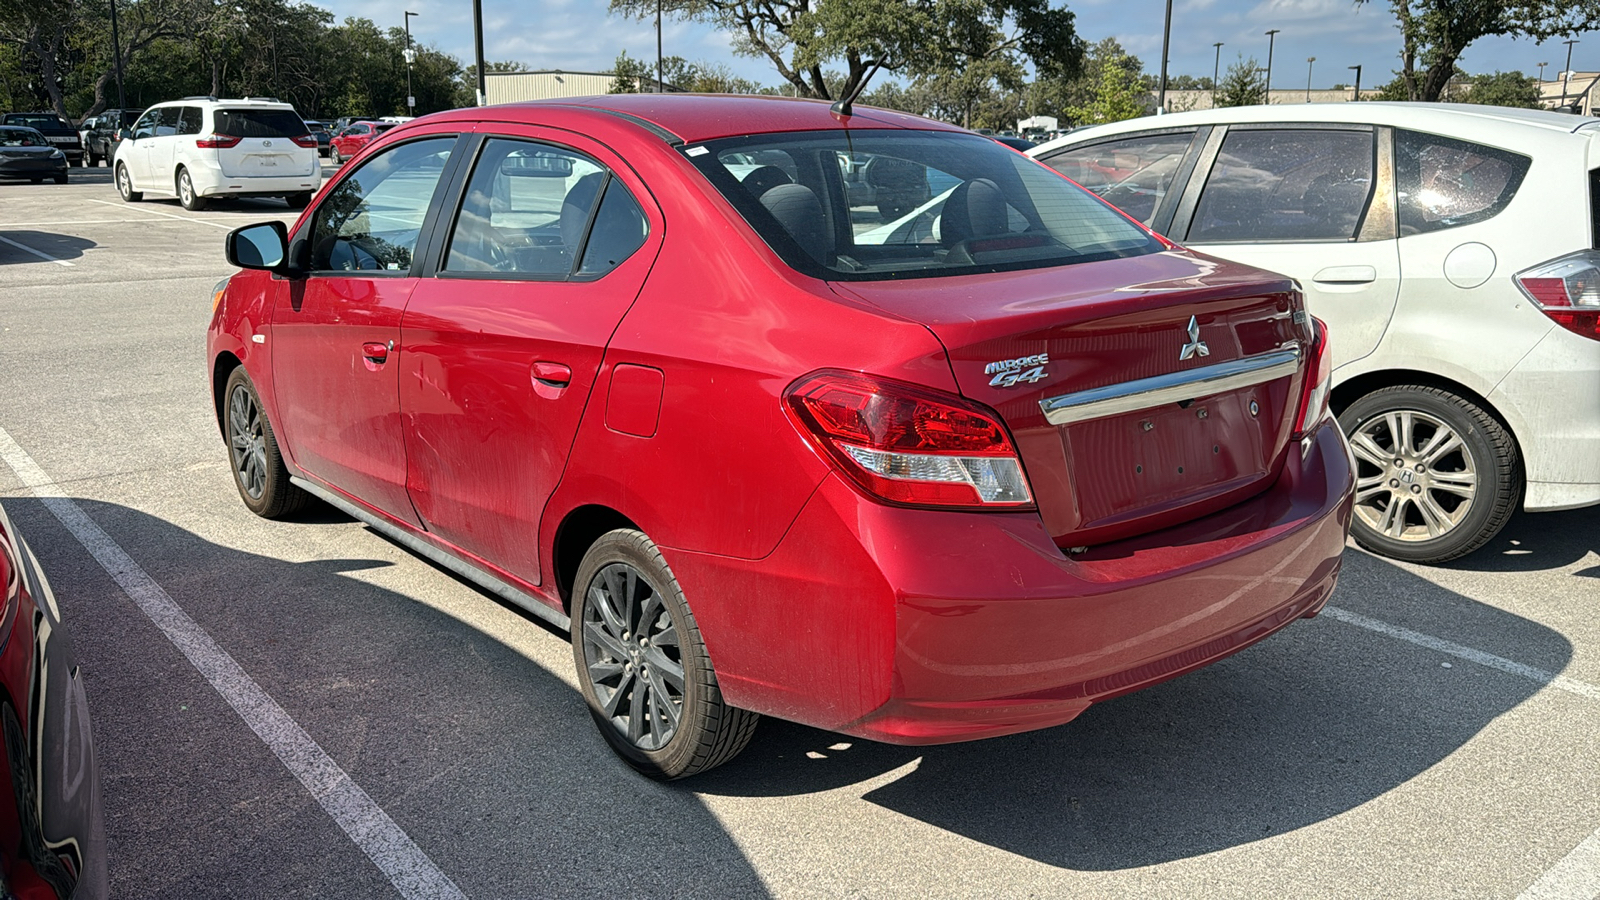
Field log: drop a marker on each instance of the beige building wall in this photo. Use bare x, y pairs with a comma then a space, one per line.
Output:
514, 87
1183, 101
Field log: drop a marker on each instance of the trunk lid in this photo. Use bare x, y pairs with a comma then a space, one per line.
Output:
1148, 428
265, 156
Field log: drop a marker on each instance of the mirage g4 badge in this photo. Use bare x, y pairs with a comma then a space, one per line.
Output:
1008, 372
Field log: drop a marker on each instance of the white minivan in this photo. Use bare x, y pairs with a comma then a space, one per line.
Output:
200, 148
1452, 251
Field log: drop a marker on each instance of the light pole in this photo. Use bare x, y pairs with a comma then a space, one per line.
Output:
1358, 81
1310, 61
411, 56
1216, 69
477, 48
659, 87
1166, 39
116, 53
1541, 71
1566, 77
1272, 36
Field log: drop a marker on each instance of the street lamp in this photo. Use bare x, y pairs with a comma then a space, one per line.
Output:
1216, 69
1310, 61
1272, 35
659, 88
1566, 77
411, 57
1358, 81
116, 53
1541, 71
477, 48
1166, 39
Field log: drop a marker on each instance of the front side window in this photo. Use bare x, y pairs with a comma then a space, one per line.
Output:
1443, 183
1285, 185
1132, 174
870, 205
159, 122
370, 221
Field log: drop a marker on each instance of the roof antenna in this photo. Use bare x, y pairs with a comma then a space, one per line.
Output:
842, 106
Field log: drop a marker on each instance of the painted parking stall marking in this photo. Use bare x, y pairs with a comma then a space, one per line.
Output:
223, 225
407, 867
42, 255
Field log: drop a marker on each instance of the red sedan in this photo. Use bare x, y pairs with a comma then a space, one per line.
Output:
917, 472
349, 142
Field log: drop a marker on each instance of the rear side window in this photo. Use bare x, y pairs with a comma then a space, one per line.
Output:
1443, 183
258, 123
189, 120
1286, 185
370, 221
1132, 175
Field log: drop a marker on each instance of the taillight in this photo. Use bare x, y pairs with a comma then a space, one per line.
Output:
1567, 289
908, 444
1318, 383
217, 142
305, 140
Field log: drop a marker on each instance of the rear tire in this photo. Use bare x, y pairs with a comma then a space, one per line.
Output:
61, 179
253, 457
334, 157
298, 201
1437, 477
89, 159
125, 186
187, 196
643, 667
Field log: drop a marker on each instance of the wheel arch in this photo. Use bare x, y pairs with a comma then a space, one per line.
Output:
1353, 389
221, 369
578, 531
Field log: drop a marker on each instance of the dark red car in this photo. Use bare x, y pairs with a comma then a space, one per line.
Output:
942, 469
349, 142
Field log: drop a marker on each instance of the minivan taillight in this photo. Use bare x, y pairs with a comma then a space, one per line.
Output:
217, 142
908, 444
305, 140
1567, 289
1318, 383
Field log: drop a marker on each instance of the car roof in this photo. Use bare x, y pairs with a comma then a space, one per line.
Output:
701, 117
250, 103
1430, 117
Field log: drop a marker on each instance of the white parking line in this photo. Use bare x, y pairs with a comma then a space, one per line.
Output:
1575, 877
155, 212
44, 256
409, 869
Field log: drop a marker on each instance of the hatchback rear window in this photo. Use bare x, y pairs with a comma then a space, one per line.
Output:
1443, 183
854, 205
258, 123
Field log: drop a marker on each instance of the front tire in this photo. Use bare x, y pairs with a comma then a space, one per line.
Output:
643, 667
334, 157
1437, 477
125, 186
187, 196
60, 179
257, 466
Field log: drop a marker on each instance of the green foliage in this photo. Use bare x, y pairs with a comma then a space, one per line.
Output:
634, 76
1504, 89
1059, 97
1434, 33
1243, 84
1119, 95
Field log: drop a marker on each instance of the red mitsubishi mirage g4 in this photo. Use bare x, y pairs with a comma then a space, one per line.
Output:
953, 452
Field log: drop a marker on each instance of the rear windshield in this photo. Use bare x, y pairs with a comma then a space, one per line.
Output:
43, 123
259, 123
909, 204
381, 127
16, 137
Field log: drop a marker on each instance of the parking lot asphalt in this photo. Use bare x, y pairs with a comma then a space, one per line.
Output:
1435, 734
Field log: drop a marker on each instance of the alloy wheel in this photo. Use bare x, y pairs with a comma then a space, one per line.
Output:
124, 187
247, 442
1415, 477
631, 648
185, 189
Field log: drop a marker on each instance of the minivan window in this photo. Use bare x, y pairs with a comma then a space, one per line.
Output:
370, 220
258, 123
1443, 183
1131, 174
526, 210
928, 204
1286, 185
189, 118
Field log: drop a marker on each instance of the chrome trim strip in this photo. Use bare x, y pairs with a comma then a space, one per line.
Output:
1147, 393
424, 549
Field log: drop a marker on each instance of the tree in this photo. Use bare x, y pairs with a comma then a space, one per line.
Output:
913, 38
1434, 33
1058, 96
1243, 85
1504, 89
1120, 95
632, 76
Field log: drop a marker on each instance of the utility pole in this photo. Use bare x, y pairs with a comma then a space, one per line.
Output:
1216, 69
116, 54
1310, 61
1166, 40
411, 56
1566, 77
660, 84
1358, 81
1272, 36
1541, 71
477, 47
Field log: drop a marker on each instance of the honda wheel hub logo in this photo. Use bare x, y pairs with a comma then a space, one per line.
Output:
1008, 372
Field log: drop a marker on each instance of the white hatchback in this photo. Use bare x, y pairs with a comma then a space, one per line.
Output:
1451, 250
200, 148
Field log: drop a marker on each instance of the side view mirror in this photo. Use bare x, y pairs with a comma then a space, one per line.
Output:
263, 246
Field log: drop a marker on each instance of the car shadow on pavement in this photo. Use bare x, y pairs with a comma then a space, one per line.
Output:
1309, 724
1536, 542
470, 739
55, 246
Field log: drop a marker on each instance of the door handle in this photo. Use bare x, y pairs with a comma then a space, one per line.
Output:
376, 352
551, 374
1346, 275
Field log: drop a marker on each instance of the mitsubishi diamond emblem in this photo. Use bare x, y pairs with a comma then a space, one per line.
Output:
266, 143
1195, 347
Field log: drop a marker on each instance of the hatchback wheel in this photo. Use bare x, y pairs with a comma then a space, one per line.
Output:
1436, 476
333, 156
258, 469
125, 186
186, 193
642, 666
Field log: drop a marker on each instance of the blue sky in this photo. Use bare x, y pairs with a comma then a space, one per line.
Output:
580, 35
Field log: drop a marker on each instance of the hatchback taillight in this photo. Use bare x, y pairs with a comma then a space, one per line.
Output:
1318, 383
217, 142
305, 140
1567, 289
908, 444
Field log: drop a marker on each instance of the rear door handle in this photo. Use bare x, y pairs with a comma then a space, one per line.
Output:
376, 352
1346, 275
552, 374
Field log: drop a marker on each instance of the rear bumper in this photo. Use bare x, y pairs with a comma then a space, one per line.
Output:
209, 181
1553, 395
919, 627
32, 168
